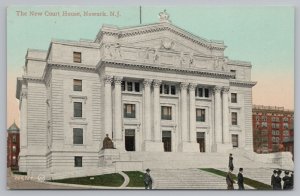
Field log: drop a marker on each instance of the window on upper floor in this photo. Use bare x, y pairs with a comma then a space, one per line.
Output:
14, 139
234, 120
167, 89
235, 140
77, 109
77, 57
129, 110
166, 112
233, 98
264, 118
77, 85
77, 136
14, 149
234, 72
200, 115
130, 86
202, 92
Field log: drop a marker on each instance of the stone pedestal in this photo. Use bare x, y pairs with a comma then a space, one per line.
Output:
190, 147
151, 146
119, 145
108, 156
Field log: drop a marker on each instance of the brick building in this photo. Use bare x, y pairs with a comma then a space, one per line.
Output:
13, 146
273, 129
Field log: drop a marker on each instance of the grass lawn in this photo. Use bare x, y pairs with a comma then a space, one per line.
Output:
20, 173
113, 180
136, 178
255, 184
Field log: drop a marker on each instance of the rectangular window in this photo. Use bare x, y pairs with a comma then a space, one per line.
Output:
233, 98
166, 113
233, 72
77, 136
14, 139
234, 118
137, 87
77, 85
160, 89
77, 109
173, 90
235, 140
123, 86
77, 57
200, 91
78, 161
14, 149
166, 89
200, 115
129, 110
129, 86
206, 92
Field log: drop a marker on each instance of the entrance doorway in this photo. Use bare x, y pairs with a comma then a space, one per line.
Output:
201, 141
129, 139
167, 140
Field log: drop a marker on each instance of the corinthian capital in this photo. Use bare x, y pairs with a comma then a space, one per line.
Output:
192, 86
108, 79
217, 89
147, 82
225, 89
184, 85
156, 83
118, 80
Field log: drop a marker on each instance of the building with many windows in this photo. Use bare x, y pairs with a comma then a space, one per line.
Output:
273, 129
13, 146
150, 88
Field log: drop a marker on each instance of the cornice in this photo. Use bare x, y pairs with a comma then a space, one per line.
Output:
145, 66
242, 83
82, 67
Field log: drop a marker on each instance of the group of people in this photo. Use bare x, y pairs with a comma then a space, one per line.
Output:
276, 180
229, 177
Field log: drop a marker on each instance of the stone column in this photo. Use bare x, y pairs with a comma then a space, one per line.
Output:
147, 109
192, 134
218, 120
156, 110
226, 136
108, 105
118, 137
183, 98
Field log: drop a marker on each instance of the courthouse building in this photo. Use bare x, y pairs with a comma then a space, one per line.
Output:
150, 88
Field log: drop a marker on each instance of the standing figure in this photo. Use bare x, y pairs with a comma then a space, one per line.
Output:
230, 164
229, 180
286, 180
278, 181
292, 180
241, 179
273, 177
147, 179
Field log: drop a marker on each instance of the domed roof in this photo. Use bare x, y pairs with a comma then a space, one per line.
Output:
13, 127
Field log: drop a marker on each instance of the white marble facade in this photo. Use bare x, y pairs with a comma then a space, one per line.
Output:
156, 59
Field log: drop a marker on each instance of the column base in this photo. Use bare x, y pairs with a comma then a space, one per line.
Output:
152, 146
223, 147
189, 147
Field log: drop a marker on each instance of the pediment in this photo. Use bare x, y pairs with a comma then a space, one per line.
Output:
164, 36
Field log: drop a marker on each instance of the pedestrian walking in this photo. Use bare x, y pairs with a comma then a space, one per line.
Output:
278, 181
147, 179
273, 179
274, 175
229, 180
286, 180
241, 179
230, 164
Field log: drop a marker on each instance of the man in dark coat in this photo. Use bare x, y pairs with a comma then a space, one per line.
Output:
278, 181
147, 179
229, 180
230, 164
241, 179
273, 179
286, 181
